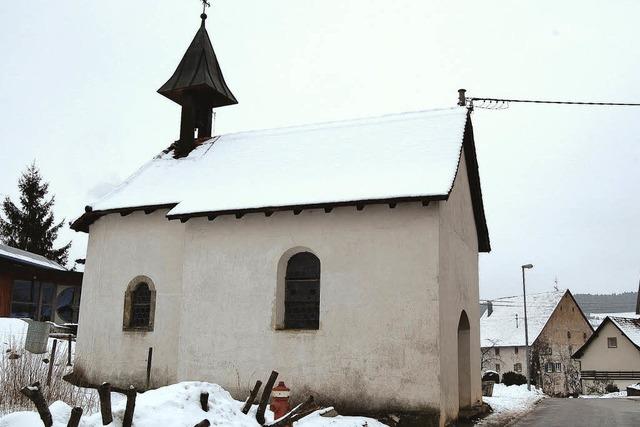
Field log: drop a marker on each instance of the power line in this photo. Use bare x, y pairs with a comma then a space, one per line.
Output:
536, 101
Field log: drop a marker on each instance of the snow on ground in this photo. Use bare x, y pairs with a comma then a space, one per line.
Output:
615, 394
509, 402
179, 405
12, 331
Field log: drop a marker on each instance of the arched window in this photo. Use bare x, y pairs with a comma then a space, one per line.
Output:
139, 305
302, 292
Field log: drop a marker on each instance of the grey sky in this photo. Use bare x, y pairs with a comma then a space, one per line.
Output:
561, 184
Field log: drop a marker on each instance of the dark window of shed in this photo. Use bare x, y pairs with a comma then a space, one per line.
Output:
302, 292
140, 306
612, 342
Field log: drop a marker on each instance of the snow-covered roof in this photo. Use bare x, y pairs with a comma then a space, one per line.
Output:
629, 327
501, 327
597, 318
402, 155
24, 257
388, 159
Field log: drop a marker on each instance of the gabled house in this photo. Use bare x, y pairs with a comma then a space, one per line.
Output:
557, 326
32, 286
343, 255
611, 355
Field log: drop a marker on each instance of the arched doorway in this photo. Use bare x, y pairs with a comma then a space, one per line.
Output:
464, 361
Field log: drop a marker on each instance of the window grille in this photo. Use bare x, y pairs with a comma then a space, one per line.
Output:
141, 306
497, 367
302, 292
612, 342
558, 367
517, 367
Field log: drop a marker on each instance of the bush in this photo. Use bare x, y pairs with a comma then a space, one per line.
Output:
611, 388
491, 376
513, 378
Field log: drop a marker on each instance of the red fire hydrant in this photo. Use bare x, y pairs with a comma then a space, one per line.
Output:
280, 400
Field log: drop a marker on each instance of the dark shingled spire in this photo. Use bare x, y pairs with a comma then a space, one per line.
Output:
198, 86
199, 72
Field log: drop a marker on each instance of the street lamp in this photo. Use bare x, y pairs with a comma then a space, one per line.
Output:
526, 327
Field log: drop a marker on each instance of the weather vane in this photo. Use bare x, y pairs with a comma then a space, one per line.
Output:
205, 5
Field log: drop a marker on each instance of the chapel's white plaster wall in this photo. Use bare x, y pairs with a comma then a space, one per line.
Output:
458, 291
119, 249
377, 346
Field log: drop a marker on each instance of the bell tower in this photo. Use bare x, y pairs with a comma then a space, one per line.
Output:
198, 87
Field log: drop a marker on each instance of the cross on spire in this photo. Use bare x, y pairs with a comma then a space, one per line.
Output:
205, 5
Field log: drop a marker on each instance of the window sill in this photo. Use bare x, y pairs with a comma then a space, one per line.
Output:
138, 329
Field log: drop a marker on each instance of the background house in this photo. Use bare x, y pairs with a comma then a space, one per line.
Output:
32, 286
611, 355
557, 326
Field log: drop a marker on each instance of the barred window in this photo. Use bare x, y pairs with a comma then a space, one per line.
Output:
141, 306
302, 292
517, 367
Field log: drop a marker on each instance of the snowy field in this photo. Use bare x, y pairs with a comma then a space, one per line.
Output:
510, 402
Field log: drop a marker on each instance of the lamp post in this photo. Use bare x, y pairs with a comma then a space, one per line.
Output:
526, 327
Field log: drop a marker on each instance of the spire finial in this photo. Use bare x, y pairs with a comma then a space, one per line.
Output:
205, 5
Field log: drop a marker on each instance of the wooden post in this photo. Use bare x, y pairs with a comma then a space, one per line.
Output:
203, 423
127, 420
149, 358
204, 401
52, 360
104, 392
34, 394
296, 414
252, 397
74, 419
264, 399
69, 350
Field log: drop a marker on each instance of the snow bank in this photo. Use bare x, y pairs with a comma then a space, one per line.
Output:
613, 395
511, 401
179, 405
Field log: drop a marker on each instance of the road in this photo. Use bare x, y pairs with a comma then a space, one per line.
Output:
583, 413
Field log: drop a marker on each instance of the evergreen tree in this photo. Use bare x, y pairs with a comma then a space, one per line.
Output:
31, 227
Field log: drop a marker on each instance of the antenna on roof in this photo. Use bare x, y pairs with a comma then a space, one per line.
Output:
555, 284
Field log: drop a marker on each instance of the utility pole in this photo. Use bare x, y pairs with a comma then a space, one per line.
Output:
526, 327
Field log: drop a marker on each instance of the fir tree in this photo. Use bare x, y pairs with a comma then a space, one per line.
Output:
31, 227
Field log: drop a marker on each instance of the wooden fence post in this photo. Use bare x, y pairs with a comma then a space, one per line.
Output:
264, 399
74, 419
149, 358
104, 392
52, 360
252, 397
34, 394
127, 420
204, 401
69, 351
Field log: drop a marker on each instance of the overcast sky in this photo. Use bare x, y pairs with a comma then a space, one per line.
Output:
78, 85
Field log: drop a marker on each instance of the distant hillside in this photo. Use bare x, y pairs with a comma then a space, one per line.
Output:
624, 302
610, 303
